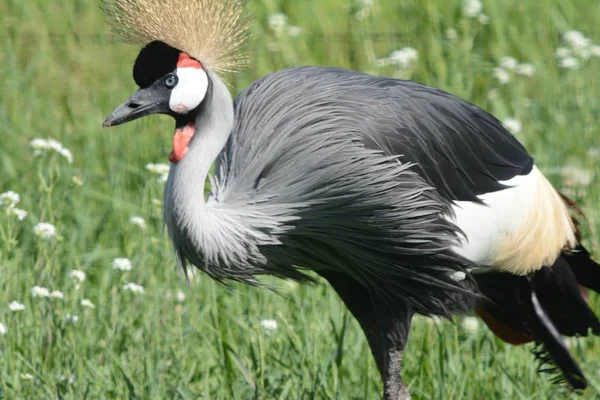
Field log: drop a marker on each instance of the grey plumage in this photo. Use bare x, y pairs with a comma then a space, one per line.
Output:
309, 194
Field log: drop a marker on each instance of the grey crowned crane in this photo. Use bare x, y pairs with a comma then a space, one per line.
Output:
405, 198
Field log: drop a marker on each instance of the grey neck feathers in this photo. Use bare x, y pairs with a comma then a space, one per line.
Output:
213, 127
222, 238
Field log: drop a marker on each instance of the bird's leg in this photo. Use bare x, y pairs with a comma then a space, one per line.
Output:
357, 299
386, 331
394, 327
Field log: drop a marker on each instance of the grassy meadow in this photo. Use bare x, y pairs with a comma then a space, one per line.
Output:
66, 337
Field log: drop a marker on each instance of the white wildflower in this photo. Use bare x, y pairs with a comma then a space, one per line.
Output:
472, 8
578, 47
470, 324
134, 287
451, 34
509, 63
26, 377
156, 202
72, 318
365, 3
16, 306
54, 144
9, 199
483, 19
42, 146
568, 63
66, 153
584, 53
492, 94
513, 125
67, 379
38, 291
180, 296
20, 214
38, 153
158, 168
404, 57
121, 264
39, 144
77, 275
576, 176
502, 76
294, 31
87, 303
278, 23
57, 294
577, 40
269, 325
44, 230
3, 329
139, 221
525, 69
163, 178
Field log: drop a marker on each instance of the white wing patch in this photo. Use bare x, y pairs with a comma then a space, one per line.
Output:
189, 91
519, 229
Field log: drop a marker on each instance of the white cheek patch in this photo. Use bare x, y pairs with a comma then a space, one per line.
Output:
189, 91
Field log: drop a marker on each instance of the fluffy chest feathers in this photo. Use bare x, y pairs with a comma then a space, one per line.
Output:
222, 238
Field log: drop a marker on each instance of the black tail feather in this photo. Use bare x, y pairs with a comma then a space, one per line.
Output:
586, 270
542, 307
558, 291
552, 343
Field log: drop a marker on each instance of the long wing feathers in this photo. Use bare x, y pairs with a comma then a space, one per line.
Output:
460, 149
298, 147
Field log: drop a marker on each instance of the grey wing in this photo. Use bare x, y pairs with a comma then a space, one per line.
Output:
359, 167
454, 145
457, 147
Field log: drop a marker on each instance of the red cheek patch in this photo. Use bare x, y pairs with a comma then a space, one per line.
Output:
185, 61
181, 141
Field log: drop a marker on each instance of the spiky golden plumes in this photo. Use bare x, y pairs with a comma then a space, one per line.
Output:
211, 31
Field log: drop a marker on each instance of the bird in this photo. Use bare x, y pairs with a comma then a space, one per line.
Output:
405, 198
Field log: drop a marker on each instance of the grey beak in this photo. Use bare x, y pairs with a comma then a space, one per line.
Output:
143, 102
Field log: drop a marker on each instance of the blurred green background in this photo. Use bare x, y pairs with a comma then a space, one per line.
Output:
61, 73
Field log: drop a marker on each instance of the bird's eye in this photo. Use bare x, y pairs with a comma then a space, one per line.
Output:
171, 81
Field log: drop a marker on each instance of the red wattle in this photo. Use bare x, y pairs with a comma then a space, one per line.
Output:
181, 141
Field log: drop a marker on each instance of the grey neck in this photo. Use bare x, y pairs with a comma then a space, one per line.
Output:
185, 186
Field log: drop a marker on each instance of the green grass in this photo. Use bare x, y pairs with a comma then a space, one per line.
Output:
61, 72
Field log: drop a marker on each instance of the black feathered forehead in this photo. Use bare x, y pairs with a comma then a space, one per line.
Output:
155, 60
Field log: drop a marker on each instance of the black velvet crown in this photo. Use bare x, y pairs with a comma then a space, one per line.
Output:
155, 60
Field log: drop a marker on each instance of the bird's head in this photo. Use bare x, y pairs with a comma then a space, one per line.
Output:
183, 40
171, 82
